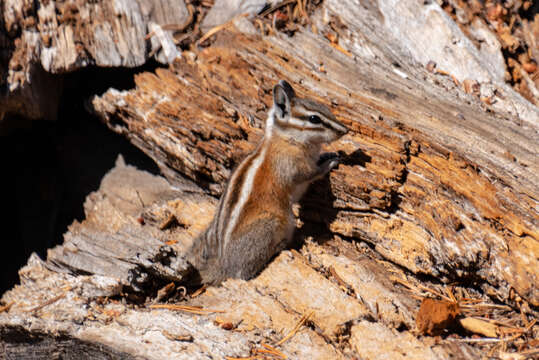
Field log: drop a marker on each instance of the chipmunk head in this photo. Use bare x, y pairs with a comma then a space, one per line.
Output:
303, 120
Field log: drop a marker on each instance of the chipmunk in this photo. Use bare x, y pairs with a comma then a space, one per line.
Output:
254, 218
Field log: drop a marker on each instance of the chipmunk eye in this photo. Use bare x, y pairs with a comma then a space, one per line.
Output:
315, 119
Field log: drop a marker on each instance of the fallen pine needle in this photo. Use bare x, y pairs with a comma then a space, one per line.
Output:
483, 340
493, 306
218, 28
434, 292
303, 319
265, 351
49, 302
418, 289
186, 308
530, 325
274, 351
442, 72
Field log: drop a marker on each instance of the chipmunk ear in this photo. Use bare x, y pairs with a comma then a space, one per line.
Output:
282, 97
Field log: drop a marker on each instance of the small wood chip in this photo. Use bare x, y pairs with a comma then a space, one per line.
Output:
479, 326
470, 86
163, 292
486, 100
176, 337
337, 277
224, 324
6, 307
529, 67
199, 291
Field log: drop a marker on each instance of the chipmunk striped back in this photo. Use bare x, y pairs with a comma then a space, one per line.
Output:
254, 219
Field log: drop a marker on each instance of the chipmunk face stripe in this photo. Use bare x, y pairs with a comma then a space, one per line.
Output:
305, 108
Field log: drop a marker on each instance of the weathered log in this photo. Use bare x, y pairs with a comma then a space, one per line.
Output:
437, 181
64, 301
50, 37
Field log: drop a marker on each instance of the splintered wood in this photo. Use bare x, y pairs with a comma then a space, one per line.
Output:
422, 204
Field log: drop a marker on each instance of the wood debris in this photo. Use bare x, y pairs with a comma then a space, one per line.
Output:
285, 17
177, 337
164, 292
6, 307
168, 222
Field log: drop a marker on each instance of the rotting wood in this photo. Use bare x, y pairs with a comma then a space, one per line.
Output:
449, 210
263, 310
49, 37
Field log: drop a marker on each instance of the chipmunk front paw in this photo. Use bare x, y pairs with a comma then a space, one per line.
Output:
328, 161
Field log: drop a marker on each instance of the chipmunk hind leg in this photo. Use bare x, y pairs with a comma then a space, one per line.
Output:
256, 248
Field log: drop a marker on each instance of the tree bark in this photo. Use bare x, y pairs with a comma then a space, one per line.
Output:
438, 185
43, 38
